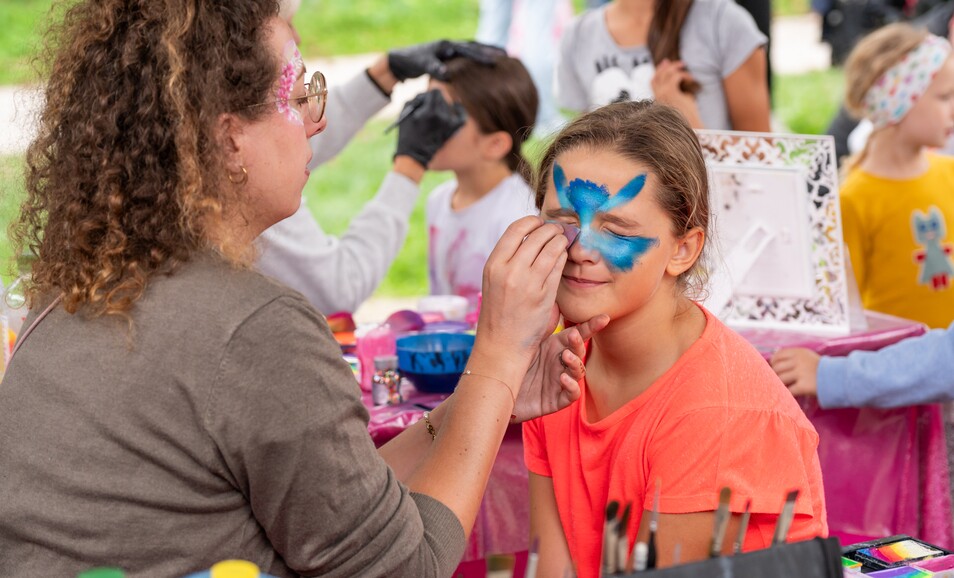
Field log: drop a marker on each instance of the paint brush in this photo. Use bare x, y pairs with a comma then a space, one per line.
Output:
743, 528
785, 518
622, 540
721, 522
639, 556
531, 571
405, 113
609, 539
653, 524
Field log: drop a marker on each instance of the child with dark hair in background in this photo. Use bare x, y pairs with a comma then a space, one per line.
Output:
670, 395
468, 214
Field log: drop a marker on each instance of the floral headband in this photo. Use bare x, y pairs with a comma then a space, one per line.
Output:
894, 93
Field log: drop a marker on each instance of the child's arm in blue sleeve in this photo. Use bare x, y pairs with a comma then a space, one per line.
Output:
913, 371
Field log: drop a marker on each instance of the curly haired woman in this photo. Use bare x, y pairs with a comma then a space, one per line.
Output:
169, 407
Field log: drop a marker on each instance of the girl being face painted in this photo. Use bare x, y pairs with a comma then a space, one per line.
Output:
620, 258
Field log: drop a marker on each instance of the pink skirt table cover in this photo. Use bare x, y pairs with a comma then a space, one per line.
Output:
885, 470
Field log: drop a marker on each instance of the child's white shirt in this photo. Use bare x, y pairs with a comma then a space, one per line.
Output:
459, 242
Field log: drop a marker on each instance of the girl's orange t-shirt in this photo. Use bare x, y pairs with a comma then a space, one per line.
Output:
719, 417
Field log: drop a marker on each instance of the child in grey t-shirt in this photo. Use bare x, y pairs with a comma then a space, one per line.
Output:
717, 37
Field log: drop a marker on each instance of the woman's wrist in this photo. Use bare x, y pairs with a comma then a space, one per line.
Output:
380, 73
502, 367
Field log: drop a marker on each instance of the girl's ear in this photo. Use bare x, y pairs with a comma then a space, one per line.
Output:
497, 145
232, 139
687, 252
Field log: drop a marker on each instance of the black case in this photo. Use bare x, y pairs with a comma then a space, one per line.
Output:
816, 558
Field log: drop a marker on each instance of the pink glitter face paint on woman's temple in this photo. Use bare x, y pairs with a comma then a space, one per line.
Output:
293, 68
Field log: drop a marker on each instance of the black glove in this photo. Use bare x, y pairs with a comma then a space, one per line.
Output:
429, 58
425, 124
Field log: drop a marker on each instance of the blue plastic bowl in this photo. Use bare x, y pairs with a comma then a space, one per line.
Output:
433, 362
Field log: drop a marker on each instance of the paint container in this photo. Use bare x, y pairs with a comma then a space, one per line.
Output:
900, 572
851, 567
386, 382
849, 564
102, 573
942, 567
231, 569
355, 365
447, 307
896, 551
374, 342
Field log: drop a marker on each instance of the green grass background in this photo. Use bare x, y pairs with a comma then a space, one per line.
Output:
338, 190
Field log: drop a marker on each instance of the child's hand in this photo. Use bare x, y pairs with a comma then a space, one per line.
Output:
798, 369
552, 382
669, 76
425, 124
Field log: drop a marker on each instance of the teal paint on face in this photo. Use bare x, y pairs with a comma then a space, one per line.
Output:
588, 199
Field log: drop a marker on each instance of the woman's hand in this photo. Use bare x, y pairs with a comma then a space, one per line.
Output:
518, 309
552, 382
798, 369
669, 75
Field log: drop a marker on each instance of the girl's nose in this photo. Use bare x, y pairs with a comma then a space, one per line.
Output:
577, 252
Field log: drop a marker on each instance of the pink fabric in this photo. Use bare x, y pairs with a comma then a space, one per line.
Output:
885, 471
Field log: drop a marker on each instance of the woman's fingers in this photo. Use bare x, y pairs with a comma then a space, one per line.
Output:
551, 261
540, 249
513, 238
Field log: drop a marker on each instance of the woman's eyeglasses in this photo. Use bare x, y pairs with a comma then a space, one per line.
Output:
316, 96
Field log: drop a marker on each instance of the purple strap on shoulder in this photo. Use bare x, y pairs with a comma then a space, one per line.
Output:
29, 330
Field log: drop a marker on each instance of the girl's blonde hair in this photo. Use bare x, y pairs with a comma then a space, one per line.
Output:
657, 136
870, 59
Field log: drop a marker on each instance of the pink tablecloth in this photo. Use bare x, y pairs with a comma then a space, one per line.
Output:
885, 471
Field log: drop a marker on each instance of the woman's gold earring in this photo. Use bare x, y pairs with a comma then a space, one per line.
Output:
241, 180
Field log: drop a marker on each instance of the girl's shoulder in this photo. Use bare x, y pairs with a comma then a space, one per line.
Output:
586, 24
513, 193
941, 163
712, 10
720, 19
725, 369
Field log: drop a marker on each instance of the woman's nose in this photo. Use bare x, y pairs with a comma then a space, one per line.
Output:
312, 128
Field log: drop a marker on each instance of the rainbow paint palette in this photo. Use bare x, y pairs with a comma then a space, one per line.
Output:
894, 553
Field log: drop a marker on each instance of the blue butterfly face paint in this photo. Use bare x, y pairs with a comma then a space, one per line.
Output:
588, 199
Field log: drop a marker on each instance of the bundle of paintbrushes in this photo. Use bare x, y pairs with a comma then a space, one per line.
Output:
617, 556
643, 556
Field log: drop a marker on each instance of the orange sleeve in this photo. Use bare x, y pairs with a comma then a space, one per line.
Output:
760, 455
535, 448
